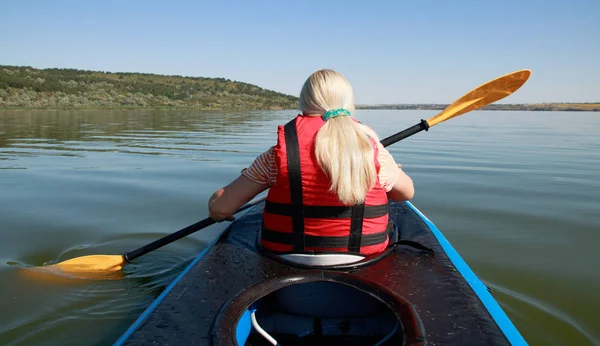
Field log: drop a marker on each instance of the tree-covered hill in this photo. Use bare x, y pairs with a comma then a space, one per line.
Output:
23, 86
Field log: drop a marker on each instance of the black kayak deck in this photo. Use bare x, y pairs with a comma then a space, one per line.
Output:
453, 304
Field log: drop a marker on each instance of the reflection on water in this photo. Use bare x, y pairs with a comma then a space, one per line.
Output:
74, 133
517, 193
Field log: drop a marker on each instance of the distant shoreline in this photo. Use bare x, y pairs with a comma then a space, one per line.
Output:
548, 107
544, 107
28, 88
23, 87
116, 108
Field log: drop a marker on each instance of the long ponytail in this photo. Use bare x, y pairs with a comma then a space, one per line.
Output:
342, 146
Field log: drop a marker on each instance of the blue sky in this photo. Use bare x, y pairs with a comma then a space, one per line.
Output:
391, 51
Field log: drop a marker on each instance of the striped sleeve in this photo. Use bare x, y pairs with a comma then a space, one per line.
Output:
388, 173
263, 170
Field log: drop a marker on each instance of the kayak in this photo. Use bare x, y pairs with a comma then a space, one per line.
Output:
418, 292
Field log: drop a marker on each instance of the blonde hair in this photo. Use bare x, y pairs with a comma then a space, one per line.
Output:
342, 146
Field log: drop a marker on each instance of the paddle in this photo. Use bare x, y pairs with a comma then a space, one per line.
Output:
483, 95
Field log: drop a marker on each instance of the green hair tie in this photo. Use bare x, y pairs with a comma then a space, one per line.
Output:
334, 113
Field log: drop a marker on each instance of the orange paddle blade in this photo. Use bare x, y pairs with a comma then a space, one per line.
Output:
89, 264
483, 95
93, 267
54, 274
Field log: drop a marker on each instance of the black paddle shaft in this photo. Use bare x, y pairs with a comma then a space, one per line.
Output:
423, 125
131, 255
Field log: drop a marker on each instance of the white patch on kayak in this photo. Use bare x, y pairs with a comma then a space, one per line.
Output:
322, 259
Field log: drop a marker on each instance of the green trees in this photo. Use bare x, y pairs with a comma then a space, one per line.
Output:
24, 86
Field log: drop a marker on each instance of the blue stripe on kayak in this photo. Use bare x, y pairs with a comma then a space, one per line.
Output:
505, 324
162, 296
243, 328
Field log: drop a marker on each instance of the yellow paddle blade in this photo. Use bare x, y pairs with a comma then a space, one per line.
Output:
86, 264
54, 274
92, 263
483, 95
93, 267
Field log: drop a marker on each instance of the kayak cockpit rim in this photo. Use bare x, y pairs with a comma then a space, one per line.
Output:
233, 323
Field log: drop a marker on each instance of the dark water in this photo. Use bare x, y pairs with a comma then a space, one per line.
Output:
517, 193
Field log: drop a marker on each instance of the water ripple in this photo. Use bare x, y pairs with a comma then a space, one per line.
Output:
547, 309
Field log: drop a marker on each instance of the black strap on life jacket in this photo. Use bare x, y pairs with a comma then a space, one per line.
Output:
325, 212
297, 211
294, 173
322, 241
356, 225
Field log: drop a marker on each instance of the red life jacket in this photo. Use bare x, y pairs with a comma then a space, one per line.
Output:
301, 214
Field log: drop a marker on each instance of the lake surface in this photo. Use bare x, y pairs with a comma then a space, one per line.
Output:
517, 193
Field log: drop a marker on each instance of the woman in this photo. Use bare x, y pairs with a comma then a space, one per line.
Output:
329, 178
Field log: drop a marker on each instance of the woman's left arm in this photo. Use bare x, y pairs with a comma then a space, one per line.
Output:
225, 201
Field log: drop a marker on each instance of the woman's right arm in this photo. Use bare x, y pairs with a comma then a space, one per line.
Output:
255, 179
403, 189
398, 185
